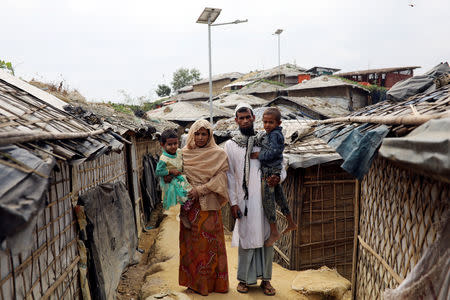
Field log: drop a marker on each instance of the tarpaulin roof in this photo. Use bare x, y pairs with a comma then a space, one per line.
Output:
327, 107
188, 111
417, 84
358, 142
232, 100
232, 75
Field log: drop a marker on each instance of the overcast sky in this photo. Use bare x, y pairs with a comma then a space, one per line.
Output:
102, 46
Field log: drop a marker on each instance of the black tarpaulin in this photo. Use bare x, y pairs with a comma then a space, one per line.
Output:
22, 187
149, 185
112, 238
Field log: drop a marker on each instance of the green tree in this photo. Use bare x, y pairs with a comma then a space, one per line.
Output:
163, 90
183, 77
6, 65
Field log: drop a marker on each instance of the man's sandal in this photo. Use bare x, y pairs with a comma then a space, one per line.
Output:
242, 288
268, 289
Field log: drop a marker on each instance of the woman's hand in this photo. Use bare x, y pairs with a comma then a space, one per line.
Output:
168, 178
193, 194
174, 172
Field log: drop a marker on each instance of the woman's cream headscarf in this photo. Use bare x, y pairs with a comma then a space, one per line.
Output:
206, 168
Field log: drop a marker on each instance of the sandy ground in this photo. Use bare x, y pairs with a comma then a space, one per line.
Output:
161, 272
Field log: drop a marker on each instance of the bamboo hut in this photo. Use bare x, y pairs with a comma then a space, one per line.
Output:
50, 159
322, 198
404, 189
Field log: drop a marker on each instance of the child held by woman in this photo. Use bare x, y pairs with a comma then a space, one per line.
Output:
174, 185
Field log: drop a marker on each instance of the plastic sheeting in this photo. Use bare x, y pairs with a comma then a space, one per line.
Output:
430, 278
21, 192
357, 146
427, 147
402, 90
112, 238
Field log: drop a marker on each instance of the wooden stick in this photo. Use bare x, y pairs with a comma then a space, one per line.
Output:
63, 276
355, 239
281, 254
387, 120
21, 137
383, 262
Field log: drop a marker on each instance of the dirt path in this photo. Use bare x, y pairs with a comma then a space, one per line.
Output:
160, 274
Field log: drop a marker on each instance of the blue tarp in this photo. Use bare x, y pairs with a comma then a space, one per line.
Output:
357, 146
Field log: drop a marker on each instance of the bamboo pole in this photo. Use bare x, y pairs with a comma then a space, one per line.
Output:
355, 237
21, 137
387, 120
381, 260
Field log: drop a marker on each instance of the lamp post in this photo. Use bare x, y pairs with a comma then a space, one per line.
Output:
208, 16
278, 32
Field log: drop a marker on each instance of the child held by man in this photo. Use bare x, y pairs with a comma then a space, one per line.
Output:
169, 169
271, 159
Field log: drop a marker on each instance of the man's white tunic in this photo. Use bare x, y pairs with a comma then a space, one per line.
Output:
252, 230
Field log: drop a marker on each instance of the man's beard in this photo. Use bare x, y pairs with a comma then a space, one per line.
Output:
247, 131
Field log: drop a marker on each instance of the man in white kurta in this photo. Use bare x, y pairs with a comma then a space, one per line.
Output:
251, 230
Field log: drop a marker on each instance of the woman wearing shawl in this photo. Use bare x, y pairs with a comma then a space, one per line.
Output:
203, 258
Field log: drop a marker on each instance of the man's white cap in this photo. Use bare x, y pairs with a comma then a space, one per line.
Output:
242, 105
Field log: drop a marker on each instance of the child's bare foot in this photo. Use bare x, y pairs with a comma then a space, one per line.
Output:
184, 219
290, 227
274, 236
291, 224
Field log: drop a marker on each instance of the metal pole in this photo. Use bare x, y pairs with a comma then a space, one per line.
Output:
210, 72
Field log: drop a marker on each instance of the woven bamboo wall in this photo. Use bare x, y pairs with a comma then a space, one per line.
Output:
105, 169
49, 267
400, 210
322, 201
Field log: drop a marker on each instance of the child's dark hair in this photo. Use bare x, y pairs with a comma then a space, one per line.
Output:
274, 112
168, 134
